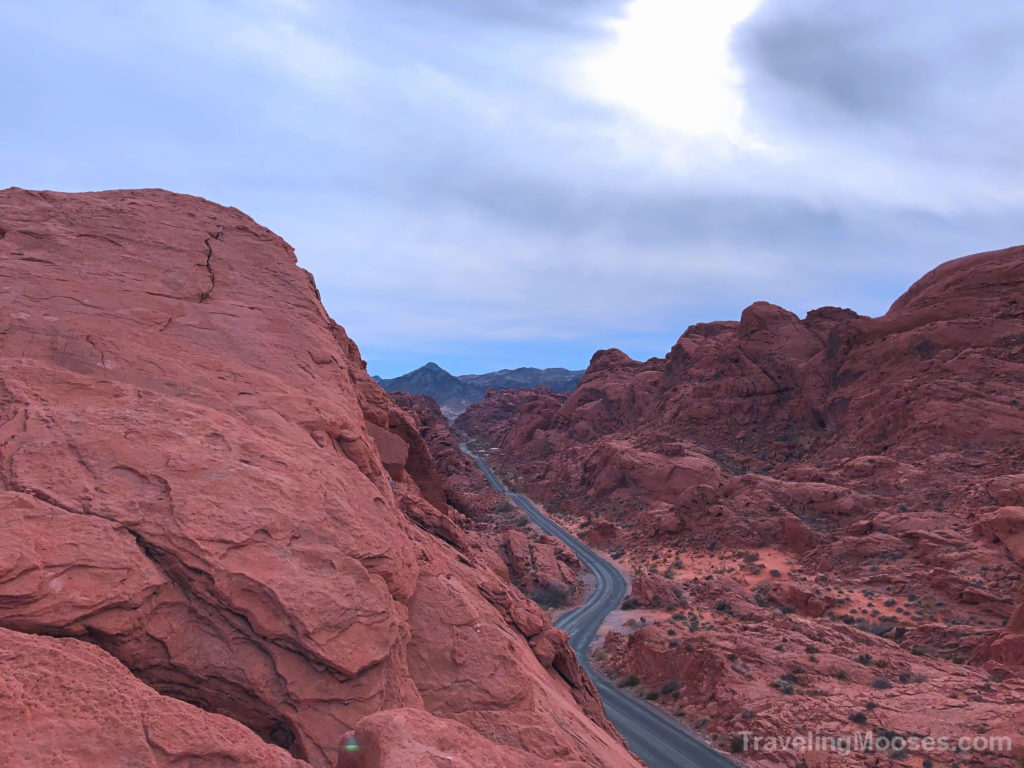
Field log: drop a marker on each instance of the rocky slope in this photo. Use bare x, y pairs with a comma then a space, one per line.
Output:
224, 544
815, 509
541, 566
456, 393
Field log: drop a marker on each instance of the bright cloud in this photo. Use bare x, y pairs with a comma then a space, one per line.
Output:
671, 63
521, 182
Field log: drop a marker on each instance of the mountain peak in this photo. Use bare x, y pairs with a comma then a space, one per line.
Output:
455, 393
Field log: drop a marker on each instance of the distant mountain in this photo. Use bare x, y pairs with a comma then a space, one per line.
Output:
451, 394
456, 393
558, 379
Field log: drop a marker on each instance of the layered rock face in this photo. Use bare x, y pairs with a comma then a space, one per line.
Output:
224, 544
541, 566
857, 480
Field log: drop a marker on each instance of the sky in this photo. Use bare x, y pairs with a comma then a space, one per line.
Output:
496, 184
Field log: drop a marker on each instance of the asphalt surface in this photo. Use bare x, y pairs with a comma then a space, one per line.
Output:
652, 736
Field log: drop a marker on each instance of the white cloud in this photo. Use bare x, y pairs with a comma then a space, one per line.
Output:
448, 186
670, 62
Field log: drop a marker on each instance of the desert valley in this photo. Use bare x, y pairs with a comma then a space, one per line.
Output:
226, 545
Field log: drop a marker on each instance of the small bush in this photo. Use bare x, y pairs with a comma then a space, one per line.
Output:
783, 686
858, 717
629, 682
864, 658
881, 684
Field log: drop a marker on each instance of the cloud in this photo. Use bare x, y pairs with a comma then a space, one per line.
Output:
459, 188
916, 102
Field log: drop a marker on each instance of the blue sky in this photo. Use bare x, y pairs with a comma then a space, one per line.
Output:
522, 182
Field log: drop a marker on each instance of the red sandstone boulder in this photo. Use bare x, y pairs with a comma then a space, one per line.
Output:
798, 598
536, 569
1006, 525
64, 702
648, 590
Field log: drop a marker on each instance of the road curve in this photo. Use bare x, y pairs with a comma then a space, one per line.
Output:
652, 736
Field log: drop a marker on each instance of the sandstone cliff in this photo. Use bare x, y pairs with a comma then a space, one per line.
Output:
223, 542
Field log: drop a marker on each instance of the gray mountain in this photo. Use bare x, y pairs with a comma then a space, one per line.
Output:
558, 379
456, 393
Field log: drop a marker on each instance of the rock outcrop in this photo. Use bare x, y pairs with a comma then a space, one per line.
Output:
223, 542
861, 478
541, 566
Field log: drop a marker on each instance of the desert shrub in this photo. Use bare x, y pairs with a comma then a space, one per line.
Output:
783, 686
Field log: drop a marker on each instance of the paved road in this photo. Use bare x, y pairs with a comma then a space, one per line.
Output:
652, 736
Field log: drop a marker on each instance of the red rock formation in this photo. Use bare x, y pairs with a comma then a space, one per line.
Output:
199, 478
65, 702
464, 486
541, 566
864, 473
